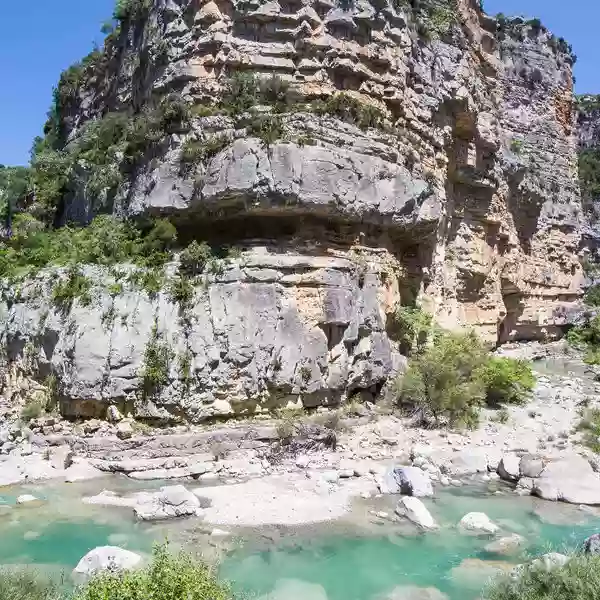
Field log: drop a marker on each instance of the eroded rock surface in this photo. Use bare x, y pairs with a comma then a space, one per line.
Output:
464, 195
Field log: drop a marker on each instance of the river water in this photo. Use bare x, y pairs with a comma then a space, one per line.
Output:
362, 558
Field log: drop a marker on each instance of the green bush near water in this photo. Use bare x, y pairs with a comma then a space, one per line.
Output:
579, 579
455, 376
167, 577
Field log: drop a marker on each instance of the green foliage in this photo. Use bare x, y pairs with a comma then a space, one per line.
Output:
516, 146
194, 258
131, 10
241, 93
506, 380
592, 296
157, 363
74, 286
167, 577
441, 17
105, 241
410, 326
181, 291
275, 91
589, 173
590, 426
350, 109
452, 378
579, 579
194, 152
33, 408
15, 185
439, 383
587, 337
25, 584
268, 128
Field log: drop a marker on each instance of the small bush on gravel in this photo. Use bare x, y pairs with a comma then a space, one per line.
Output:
579, 579
167, 577
410, 326
590, 427
506, 381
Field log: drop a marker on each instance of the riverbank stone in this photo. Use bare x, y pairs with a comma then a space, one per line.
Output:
106, 558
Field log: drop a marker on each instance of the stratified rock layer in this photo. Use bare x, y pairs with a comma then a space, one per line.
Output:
466, 199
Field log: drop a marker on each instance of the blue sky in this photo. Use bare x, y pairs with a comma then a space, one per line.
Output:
40, 38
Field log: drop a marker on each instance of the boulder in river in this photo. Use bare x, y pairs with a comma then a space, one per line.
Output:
507, 546
414, 510
106, 558
412, 592
478, 523
27, 499
170, 502
410, 481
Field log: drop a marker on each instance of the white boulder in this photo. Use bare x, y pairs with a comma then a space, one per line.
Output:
170, 502
106, 558
508, 545
26, 499
414, 510
410, 481
478, 523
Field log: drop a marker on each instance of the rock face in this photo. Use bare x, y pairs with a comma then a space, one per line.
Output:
462, 195
592, 544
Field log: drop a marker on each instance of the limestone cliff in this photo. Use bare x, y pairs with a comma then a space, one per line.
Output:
422, 151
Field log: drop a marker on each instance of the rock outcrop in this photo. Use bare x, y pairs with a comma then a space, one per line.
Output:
445, 173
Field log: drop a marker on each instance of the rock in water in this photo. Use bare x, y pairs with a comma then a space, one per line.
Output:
412, 592
414, 510
592, 544
106, 558
410, 481
27, 499
478, 523
507, 546
170, 502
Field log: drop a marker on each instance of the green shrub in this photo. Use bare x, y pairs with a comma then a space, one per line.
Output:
194, 152
590, 427
350, 109
410, 326
25, 584
157, 363
440, 384
579, 579
194, 258
506, 380
74, 286
587, 337
241, 93
268, 128
32, 409
131, 10
181, 291
167, 577
592, 296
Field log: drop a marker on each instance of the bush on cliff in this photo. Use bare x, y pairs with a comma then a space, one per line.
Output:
579, 579
454, 376
587, 337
